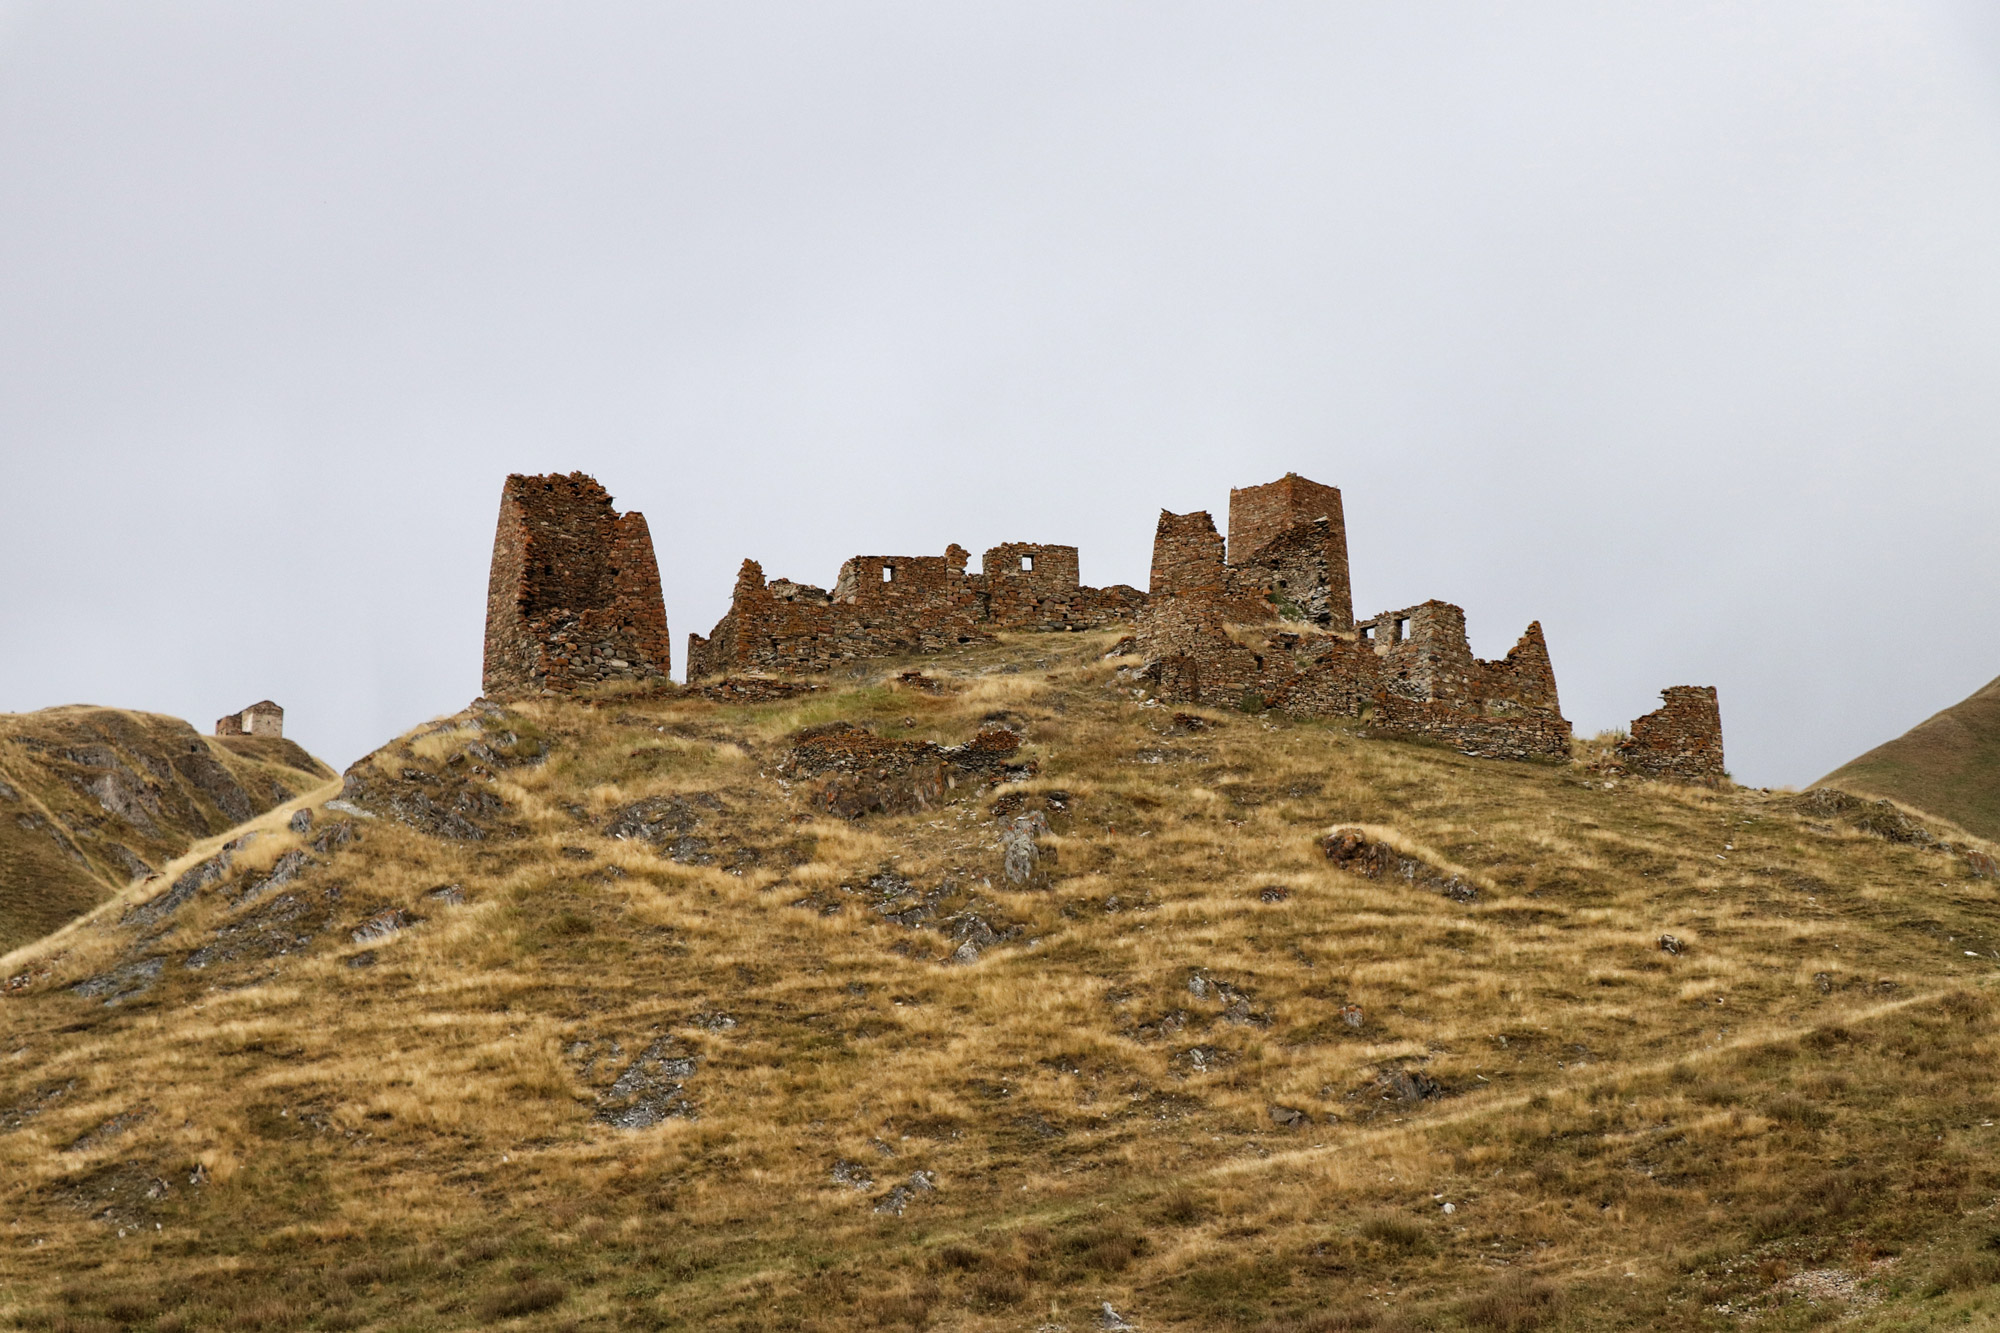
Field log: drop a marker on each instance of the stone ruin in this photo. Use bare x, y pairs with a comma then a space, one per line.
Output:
259, 719
1263, 619
1269, 623
574, 596
883, 604
1682, 739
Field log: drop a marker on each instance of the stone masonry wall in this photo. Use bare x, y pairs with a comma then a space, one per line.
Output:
573, 598
894, 604
1187, 556
1681, 740
1188, 562
1032, 587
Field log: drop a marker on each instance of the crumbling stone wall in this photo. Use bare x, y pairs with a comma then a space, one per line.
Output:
1025, 586
574, 594
1190, 654
1682, 739
1188, 561
1187, 556
883, 604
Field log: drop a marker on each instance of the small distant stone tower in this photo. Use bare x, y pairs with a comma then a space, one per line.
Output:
1278, 525
259, 719
574, 596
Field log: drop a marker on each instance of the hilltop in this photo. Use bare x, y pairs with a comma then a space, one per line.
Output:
985, 991
92, 798
1948, 764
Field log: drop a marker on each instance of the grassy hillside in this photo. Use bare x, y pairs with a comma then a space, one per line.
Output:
92, 798
1949, 765
601, 1021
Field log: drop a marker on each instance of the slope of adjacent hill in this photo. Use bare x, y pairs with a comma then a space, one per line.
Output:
92, 798
596, 1015
1948, 764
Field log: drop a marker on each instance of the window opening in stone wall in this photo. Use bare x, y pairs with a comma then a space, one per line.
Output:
1027, 562
888, 573
1368, 633
1402, 630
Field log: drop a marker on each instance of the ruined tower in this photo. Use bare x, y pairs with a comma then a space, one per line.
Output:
1682, 739
1293, 527
574, 596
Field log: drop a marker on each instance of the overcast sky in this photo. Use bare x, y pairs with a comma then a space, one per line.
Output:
1674, 326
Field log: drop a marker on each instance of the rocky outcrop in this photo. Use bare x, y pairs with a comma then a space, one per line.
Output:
849, 771
1354, 851
447, 790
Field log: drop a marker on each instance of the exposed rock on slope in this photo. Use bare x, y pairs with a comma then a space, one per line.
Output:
439, 780
854, 772
1948, 764
92, 798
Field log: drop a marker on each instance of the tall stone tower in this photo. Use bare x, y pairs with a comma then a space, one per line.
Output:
574, 596
1278, 525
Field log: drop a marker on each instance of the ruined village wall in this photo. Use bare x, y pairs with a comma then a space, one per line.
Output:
886, 604
1417, 679
1425, 653
1208, 626
1046, 571
573, 594
1049, 594
1196, 661
1322, 676
1525, 677
1682, 739
1471, 731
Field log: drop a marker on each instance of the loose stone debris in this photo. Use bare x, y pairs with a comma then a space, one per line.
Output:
382, 925
649, 1090
900, 1196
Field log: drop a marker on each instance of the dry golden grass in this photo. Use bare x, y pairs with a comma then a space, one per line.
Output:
1626, 1137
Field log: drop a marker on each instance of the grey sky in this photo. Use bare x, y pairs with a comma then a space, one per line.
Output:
1674, 326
